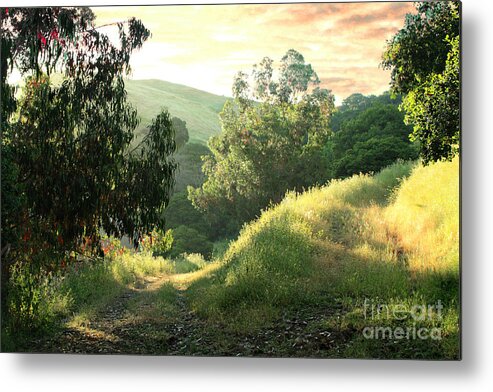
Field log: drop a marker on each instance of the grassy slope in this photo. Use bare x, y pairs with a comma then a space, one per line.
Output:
297, 278
198, 108
365, 237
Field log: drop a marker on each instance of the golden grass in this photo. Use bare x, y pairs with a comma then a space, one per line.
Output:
424, 217
391, 236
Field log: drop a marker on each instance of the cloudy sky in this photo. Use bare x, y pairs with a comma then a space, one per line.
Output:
204, 46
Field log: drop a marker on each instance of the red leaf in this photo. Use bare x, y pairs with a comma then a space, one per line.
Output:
54, 34
42, 38
26, 236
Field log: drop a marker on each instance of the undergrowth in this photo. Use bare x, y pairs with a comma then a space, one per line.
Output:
39, 303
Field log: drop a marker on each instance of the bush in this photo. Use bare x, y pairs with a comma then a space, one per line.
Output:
189, 240
34, 300
370, 135
158, 243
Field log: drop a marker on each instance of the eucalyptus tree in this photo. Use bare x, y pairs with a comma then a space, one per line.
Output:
273, 137
67, 166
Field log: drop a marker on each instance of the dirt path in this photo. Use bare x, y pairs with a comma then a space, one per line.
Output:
153, 318
119, 328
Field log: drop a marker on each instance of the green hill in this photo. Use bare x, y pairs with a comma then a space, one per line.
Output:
198, 108
327, 256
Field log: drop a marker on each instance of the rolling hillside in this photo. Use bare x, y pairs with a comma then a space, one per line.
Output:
319, 258
198, 108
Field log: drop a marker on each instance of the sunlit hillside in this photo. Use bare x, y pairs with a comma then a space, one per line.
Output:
198, 108
391, 238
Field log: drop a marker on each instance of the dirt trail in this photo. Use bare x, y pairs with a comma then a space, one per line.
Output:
129, 325
153, 318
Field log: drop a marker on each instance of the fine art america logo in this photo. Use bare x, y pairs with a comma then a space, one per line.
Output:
422, 321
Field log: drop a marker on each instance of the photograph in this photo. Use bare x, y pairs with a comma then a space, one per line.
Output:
264, 180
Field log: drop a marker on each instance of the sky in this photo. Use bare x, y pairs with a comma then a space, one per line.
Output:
205, 46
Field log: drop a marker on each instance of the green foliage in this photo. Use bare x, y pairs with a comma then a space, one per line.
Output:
433, 108
143, 191
295, 78
259, 274
181, 212
189, 161
371, 136
272, 264
266, 147
37, 299
424, 61
220, 248
13, 198
34, 300
358, 103
420, 48
158, 243
192, 226
186, 263
189, 240
93, 285
390, 238
68, 143
181, 132
371, 155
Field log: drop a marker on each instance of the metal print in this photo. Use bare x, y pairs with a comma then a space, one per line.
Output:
265, 180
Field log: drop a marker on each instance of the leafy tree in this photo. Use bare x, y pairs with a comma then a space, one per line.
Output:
434, 109
181, 132
67, 144
272, 140
181, 212
357, 103
188, 240
424, 61
158, 242
370, 139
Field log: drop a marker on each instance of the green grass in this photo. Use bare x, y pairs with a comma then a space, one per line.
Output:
188, 263
198, 108
389, 240
94, 286
327, 258
76, 295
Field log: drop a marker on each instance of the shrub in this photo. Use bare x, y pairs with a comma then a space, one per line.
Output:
158, 243
34, 300
189, 240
